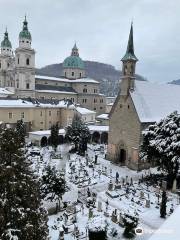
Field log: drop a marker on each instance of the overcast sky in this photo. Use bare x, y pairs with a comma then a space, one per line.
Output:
101, 29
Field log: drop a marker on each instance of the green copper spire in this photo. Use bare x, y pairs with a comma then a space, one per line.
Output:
25, 33
129, 55
6, 43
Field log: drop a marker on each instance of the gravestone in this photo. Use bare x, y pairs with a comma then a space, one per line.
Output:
61, 234
141, 194
148, 203
174, 188
114, 216
99, 206
90, 212
164, 185
121, 223
110, 186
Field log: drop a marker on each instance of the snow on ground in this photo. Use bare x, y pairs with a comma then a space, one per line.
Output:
82, 174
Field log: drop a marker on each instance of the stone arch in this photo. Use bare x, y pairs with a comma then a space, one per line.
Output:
60, 139
104, 137
96, 137
121, 153
44, 141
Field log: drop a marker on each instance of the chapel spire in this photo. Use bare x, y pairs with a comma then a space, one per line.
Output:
129, 55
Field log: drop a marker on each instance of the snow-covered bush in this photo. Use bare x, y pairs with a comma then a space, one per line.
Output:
130, 223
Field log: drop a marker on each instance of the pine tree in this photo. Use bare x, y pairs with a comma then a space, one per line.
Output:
21, 130
55, 136
161, 144
163, 205
78, 133
21, 214
53, 184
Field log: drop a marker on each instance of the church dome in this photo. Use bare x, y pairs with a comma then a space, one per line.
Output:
73, 62
6, 43
25, 32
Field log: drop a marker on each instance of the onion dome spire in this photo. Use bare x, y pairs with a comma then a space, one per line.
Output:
6, 42
25, 32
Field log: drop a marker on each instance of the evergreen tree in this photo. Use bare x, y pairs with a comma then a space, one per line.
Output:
21, 130
53, 184
78, 133
163, 205
161, 144
21, 214
54, 136
130, 223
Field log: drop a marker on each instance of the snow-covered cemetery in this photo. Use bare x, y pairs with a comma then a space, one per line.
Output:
88, 151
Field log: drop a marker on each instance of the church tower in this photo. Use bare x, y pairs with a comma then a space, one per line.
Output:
25, 64
129, 63
73, 66
6, 63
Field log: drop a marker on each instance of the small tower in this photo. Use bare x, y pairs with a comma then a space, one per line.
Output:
73, 66
6, 62
129, 63
25, 64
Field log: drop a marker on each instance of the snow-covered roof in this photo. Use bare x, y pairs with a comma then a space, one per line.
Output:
170, 228
85, 111
103, 116
21, 103
81, 80
94, 128
54, 91
47, 132
4, 91
155, 101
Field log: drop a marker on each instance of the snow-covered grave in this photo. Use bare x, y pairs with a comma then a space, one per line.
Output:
99, 193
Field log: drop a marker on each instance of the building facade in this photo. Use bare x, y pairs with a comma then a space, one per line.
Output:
17, 75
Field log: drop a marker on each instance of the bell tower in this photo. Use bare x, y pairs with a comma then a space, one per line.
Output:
25, 64
129, 63
6, 62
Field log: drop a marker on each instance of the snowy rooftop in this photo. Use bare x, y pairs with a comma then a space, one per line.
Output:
54, 91
94, 128
170, 228
84, 111
103, 116
4, 91
46, 132
21, 103
82, 80
155, 101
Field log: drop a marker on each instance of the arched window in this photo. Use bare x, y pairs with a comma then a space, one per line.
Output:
80, 74
27, 85
27, 61
72, 73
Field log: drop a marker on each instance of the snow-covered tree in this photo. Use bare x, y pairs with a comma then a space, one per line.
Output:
161, 144
54, 136
130, 223
163, 205
21, 130
53, 184
78, 133
21, 213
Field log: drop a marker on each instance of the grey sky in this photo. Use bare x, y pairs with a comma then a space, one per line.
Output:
101, 29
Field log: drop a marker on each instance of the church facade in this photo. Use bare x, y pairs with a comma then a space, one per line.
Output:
18, 78
138, 104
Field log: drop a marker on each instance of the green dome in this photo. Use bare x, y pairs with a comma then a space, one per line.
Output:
6, 43
73, 62
25, 33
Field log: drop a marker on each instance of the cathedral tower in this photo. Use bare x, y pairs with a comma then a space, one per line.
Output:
73, 66
129, 63
25, 64
6, 63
